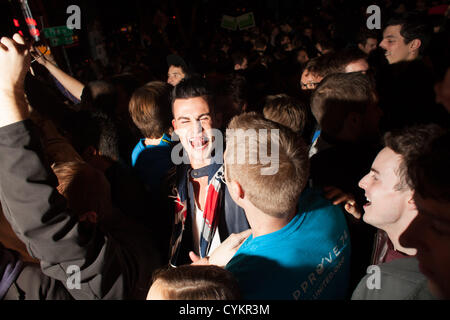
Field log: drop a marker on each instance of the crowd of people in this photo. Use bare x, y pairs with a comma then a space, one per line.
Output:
121, 183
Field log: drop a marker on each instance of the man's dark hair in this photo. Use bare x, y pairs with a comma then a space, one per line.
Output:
429, 173
94, 129
413, 27
337, 96
192, 88
177, 61
339, 60
410, 143
100, 95
321, 65
365, 34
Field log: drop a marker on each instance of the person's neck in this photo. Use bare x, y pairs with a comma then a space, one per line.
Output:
152, 142
394, 235
199, 164
412, 56
262, 223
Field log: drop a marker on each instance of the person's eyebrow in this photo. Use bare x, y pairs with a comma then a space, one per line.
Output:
374, 170
198, 117
390, 36
203, 114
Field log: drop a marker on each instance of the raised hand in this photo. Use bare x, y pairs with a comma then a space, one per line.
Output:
14, 63
339, 197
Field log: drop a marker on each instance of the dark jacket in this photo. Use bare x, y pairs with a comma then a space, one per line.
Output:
232, 218
116, 261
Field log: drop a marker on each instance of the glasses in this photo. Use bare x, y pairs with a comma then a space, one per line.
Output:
309, 85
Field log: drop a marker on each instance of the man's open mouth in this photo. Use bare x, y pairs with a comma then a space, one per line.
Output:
199, 143
368, 203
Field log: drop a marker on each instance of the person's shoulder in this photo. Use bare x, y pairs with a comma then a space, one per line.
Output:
316, 210
399, 279
312, 200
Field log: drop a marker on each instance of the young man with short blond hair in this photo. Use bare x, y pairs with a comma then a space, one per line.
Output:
299, 248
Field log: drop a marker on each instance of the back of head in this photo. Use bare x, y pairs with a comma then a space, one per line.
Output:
96, 130
342, 58
272, 182
429, 173
100, 95
413, 26
189, 282
85, 188
150, 109
410, 143
286, 110
321, 66
337, 96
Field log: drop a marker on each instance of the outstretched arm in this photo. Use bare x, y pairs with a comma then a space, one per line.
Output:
36, 211
71, 84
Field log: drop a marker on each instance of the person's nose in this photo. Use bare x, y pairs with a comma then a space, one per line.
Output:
363, 182
198, 127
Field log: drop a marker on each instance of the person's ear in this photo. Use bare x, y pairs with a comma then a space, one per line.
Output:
174, 124
411, 203
236, 190
415, 44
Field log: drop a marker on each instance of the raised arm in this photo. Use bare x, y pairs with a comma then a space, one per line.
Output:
71, 84
36, 211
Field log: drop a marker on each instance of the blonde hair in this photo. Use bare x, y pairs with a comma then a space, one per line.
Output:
277, 194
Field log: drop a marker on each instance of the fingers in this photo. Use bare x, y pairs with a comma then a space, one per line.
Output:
18, 38
238, 238
16, 43
193, 256
353, 210
196, 261
8, 43
342, 198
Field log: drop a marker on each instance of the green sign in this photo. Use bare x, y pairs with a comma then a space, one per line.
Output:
229, 22
246, 21
59, 35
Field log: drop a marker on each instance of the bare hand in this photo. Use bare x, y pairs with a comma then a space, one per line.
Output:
223, 254
339, 197
14, 63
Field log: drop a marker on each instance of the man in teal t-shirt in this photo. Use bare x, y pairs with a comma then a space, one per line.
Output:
299, 247
306, 259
